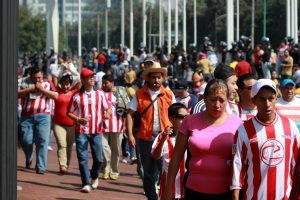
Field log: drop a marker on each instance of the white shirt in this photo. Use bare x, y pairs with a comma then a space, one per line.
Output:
133, 104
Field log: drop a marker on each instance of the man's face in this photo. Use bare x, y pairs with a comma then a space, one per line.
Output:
245, 91
155, 81
37, 77
286, 53
265, 101
231, 84
107, 86
88, 81
288, 92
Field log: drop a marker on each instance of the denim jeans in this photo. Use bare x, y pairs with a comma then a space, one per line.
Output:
95, 141
150, 167
36, 129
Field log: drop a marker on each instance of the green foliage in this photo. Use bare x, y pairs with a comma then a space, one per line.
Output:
32, 31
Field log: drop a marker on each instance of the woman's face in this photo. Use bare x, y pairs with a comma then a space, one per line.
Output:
65, 86
216, 102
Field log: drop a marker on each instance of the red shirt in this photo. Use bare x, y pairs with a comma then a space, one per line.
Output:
61, 105
243, 67
101, 59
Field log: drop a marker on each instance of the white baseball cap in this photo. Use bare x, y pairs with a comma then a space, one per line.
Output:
262, 83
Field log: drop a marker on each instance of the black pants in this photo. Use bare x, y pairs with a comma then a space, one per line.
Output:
193, 195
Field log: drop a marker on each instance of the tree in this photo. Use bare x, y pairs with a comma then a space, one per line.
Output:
32, 31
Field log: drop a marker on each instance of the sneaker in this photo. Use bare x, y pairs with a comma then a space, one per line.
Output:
133, 160
86, 189
40, 172
124, 160
50, 148
105, 176
95, 183
113, 177
63, 170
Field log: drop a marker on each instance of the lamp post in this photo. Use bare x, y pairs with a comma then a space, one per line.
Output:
237, 20
122, 24
169, 27
184, 25
195, 22
230, 23
252, 23
176, 22
79, 28
144, 22
131, 28
264, 20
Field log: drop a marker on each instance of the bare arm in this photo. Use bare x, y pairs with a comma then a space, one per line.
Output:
157, 152
179, 150
79, 120
235, 194
129, 125
48, 93
25, 91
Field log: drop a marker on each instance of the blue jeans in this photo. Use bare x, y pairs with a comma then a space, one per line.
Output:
36, 129
151, 168
95, 141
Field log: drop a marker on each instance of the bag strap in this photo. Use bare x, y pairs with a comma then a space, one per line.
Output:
151, 103
120, 95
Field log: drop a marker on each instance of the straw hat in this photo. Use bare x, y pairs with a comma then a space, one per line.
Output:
155, 68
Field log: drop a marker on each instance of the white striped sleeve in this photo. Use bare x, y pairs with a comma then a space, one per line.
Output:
238, 160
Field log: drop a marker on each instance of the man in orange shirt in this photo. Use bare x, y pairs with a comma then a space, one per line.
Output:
153, 120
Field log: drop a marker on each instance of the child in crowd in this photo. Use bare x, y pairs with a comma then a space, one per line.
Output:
163, 147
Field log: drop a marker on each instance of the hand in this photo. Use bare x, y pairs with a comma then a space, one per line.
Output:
107, 114
131, 141
82, 121
32, 87
38, 86
167, 131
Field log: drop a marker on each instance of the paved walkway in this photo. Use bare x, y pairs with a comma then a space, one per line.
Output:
52, 185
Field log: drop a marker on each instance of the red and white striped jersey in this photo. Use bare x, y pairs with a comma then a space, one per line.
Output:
289, 109
89, 105
115, 123
166, 154
37, 103
264, 158
246, 114
231, 108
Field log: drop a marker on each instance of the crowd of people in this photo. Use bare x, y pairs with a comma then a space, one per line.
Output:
204, 124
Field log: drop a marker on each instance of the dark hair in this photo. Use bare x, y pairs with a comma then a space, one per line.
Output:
109, 78
242, 78
215, 84
66, 78
174, 108
35, 70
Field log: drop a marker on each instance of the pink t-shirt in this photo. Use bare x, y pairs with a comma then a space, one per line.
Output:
209, 154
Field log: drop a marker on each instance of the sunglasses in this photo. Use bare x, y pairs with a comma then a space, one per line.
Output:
180, 116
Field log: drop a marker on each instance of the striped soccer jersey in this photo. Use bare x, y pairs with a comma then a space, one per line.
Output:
115, 123
231, 108
289, 109
166, 154
264, 158
36, 103
246, 114
89, 105
189, 101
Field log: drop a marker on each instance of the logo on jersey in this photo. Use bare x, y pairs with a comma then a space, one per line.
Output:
272, 152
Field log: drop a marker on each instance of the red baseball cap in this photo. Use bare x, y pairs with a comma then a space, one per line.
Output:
85, 72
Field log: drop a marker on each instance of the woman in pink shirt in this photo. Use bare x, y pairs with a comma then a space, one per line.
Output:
64, 129
208, 138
